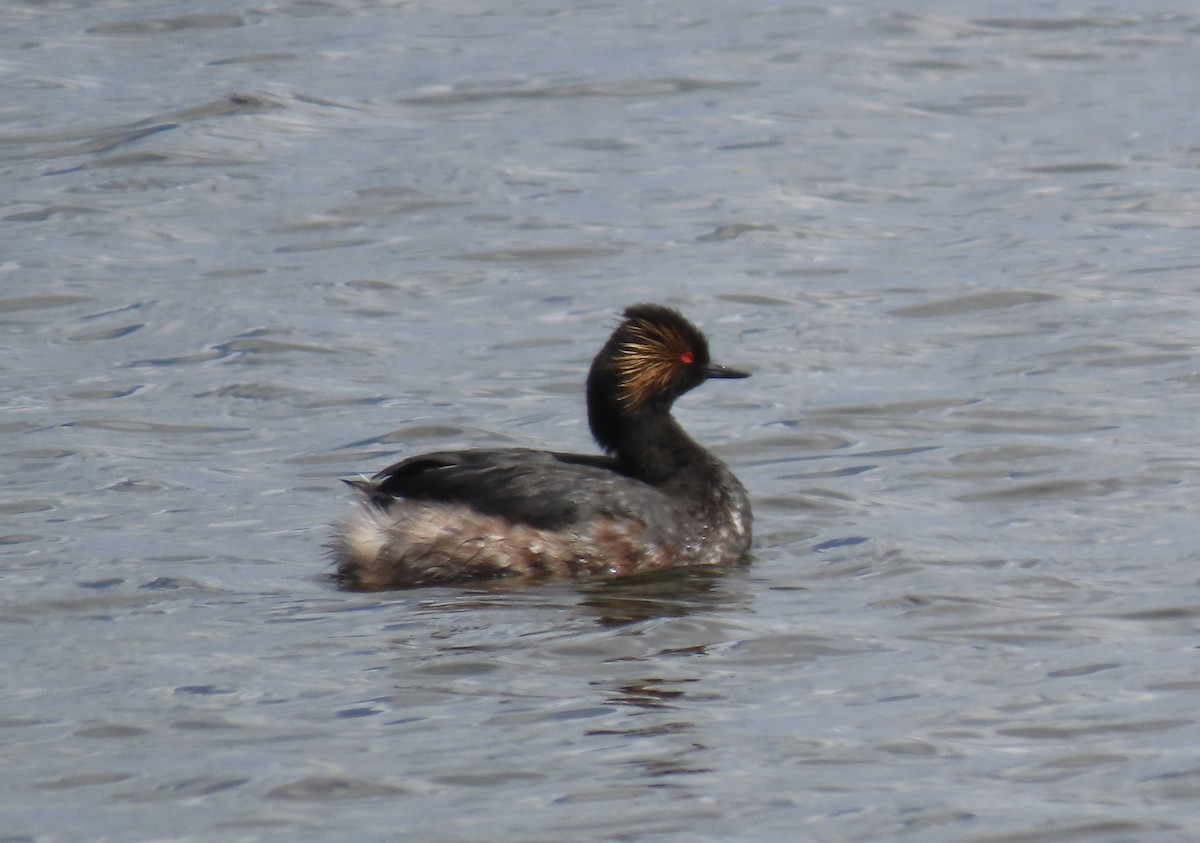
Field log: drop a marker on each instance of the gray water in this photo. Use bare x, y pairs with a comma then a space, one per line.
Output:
246, 250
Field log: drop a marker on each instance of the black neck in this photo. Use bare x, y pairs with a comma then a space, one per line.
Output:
649, 445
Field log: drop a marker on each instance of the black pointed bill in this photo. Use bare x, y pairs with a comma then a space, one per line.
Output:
715, 371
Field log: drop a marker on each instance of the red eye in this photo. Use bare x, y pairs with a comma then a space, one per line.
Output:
687, 358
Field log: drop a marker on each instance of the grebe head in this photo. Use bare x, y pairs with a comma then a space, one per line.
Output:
653, 357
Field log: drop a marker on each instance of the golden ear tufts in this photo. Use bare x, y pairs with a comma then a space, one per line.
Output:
648, 361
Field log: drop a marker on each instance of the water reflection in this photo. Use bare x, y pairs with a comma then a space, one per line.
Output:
664, 594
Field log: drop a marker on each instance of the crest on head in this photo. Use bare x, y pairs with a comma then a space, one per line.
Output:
653, 357
657, 354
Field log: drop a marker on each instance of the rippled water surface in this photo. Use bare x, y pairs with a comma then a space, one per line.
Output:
246, 250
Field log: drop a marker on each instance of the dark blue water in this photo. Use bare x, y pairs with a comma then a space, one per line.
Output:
247, 251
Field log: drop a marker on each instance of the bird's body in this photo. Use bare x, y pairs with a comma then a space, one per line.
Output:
656, 500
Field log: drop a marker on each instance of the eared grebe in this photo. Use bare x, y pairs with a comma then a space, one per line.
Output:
658, 500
